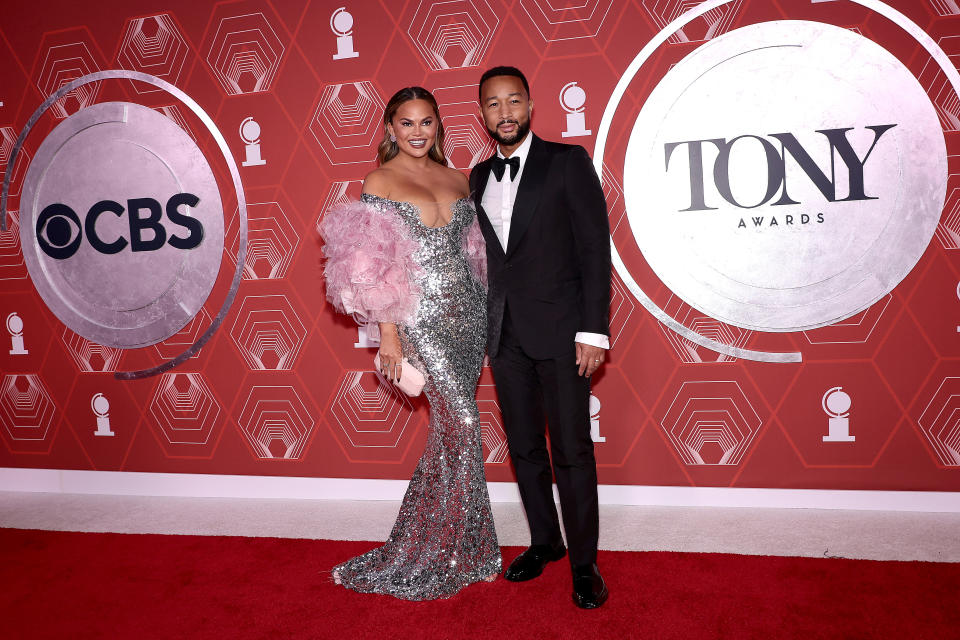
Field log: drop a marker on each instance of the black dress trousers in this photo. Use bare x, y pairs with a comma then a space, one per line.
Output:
533, 392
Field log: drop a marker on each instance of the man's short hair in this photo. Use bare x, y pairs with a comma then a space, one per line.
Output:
502, 71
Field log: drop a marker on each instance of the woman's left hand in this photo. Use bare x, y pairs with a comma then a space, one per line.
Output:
391, 354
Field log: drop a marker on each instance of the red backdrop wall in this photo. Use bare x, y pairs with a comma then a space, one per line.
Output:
282, 390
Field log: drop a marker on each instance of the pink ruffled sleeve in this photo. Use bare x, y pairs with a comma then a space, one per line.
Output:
475, 249
370, 268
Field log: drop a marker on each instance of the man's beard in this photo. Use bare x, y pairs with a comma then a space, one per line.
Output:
518, 135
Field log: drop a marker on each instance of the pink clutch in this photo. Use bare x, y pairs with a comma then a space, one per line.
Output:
411, 379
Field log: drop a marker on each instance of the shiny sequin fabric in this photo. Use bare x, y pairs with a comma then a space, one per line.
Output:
444, 537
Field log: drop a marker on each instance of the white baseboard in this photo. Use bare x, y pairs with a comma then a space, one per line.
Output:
282, 487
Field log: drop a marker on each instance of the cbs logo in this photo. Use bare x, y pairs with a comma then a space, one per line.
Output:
60, 232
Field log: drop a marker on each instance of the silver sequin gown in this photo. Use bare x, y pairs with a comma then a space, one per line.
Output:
444, 537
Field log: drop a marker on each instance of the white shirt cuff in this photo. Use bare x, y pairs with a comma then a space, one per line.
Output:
593, 339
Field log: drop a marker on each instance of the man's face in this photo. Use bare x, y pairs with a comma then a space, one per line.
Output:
506, 108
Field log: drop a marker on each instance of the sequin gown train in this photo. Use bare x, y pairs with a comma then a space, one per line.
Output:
444, 537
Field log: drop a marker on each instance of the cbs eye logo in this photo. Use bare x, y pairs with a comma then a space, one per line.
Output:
60, 232
133, 268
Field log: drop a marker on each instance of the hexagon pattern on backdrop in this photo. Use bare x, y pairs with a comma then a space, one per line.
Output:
287, 387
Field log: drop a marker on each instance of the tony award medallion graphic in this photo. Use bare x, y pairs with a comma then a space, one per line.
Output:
341, 23
250, 134
101, 409
781, 177
836, 404
572, 99
15, 328
595, 420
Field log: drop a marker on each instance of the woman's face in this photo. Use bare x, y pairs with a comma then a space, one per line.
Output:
415, 126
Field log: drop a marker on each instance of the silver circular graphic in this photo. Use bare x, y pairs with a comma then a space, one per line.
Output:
100, 404
604, 130
572, 97
130, 155
14, 323
250, 130
836, 402
341, 21
782, 255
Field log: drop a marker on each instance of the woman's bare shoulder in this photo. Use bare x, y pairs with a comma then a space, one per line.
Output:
457, 179
379, 182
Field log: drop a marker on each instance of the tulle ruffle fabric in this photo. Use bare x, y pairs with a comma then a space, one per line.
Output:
475, 248
370, 267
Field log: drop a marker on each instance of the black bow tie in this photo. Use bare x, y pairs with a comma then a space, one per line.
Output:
500, 164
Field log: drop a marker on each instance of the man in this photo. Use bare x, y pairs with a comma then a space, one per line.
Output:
544, 218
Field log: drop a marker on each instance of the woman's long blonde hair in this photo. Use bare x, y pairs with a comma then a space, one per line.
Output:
389, 149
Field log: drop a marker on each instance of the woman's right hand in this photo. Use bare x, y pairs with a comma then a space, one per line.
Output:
391, 354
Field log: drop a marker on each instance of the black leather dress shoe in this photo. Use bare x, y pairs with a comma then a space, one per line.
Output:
589, 589
529, 564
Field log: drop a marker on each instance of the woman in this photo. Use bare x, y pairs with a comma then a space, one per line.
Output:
409, 257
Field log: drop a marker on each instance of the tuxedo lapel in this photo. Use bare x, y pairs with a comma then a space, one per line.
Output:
534, 177
482, 173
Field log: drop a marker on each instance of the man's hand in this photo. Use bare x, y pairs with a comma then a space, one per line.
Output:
589, 358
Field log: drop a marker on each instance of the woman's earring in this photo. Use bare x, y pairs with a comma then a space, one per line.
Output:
393, 138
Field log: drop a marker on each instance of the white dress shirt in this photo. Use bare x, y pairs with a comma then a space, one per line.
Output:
497, 201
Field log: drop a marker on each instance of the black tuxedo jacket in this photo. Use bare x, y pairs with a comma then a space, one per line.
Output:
555, 272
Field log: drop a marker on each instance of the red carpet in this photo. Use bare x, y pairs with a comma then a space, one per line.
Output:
92, 585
